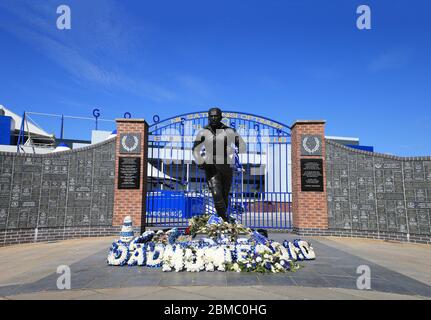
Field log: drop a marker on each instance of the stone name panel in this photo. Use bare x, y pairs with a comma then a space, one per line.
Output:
68, 189
379, 193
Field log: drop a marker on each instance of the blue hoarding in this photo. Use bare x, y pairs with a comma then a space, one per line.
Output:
7, 125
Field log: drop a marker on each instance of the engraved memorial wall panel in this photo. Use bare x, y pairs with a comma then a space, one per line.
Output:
382, 193
56, 190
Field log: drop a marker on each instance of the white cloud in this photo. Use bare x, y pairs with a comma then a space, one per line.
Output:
94, 51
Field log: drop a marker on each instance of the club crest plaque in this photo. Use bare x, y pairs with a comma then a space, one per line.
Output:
130, 143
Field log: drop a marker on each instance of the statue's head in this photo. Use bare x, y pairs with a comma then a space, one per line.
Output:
214, 116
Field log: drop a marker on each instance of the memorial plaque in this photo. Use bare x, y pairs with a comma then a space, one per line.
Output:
312, 175
129, 173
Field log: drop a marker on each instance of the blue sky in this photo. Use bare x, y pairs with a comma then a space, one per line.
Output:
285, 60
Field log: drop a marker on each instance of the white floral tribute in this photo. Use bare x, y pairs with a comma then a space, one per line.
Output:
172, 251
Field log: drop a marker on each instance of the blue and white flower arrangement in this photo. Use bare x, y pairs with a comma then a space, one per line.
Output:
172, 251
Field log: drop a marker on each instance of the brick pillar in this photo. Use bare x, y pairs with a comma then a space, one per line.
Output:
310, 212
132, 142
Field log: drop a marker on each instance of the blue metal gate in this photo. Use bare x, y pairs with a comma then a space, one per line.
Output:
261, 188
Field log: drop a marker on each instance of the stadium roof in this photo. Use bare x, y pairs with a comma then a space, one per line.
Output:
29, 125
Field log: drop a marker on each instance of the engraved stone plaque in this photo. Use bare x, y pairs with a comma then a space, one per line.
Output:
312, 175
129, 173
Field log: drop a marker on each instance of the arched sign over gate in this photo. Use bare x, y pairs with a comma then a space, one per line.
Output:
261, 188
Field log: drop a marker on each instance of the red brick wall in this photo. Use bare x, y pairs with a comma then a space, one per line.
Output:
309, 208
131, 202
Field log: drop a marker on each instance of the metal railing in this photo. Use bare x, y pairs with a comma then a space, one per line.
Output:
270, 210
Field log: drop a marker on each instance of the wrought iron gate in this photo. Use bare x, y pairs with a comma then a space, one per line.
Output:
261, 188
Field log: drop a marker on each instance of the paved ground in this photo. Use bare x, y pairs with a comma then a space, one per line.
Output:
398, 271
410, 259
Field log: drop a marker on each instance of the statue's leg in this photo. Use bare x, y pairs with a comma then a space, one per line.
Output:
215, 184
227, 173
